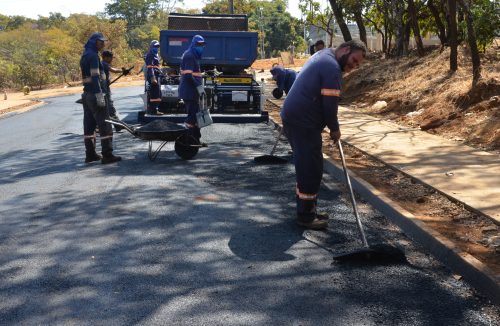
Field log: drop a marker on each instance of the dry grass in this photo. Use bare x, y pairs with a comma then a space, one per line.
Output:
446, 102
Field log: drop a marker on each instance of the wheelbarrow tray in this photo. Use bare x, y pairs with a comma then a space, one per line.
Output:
160, 130
186, 146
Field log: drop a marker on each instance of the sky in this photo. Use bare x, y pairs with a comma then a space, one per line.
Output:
34, 8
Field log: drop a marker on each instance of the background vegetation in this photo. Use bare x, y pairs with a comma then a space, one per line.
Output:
44, 51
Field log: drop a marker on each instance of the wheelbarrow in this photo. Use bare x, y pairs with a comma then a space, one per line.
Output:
186, 145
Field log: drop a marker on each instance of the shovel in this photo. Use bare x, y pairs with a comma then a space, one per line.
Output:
80, 101
271, 159
378, 253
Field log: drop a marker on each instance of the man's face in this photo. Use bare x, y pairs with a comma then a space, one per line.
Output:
319, 47
107, 59
99, 44
350, 60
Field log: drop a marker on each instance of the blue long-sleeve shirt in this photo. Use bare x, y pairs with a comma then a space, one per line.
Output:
313, 99
152, 61
91, 67
191, 76
284, 78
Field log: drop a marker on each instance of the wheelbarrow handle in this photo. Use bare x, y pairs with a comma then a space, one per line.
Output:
122, 124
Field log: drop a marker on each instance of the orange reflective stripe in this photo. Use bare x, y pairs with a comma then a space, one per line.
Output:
183, 72
153, 67
305, 196
330, 92
107, 137
155, 100
89, 136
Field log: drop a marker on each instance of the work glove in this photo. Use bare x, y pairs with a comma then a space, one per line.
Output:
125, 72
154, 81
201, 90
101, 100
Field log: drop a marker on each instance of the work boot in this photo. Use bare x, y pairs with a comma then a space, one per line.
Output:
107, 152
110, 158
314, 224
90, 153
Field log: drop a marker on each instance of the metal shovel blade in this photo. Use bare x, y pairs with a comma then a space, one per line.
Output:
270, 159
377, 254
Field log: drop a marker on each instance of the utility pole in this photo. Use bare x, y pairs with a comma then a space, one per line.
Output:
231, 7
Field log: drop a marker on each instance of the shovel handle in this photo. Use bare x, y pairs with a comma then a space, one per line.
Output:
277, 141
353, 201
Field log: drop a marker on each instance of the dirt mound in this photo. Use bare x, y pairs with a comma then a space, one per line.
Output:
422, 92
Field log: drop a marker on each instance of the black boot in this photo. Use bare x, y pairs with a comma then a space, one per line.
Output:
90, 153
107, 152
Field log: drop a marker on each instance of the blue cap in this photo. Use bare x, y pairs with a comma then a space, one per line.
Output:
198, 39
98, 36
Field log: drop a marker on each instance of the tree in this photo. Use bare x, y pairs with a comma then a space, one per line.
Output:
476, 62
321, 19
339, 16
412, 12
452, 34
440, 27
355, 8
135, 12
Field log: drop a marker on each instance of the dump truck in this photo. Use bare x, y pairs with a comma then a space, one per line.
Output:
233, 94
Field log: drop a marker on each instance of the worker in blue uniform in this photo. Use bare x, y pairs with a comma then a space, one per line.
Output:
311, 105
284, 77
191, 85
107, 59
95, 110
153, 73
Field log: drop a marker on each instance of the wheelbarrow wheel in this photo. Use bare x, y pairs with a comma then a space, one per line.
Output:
183, 146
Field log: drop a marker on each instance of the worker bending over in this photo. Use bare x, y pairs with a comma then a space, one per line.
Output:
311, 105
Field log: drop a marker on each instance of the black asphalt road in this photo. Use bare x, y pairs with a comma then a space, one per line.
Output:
210, 241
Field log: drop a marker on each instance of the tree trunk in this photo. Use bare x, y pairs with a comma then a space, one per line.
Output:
406, 43
337, 11
361, 25
452, 34
476, 61
414, 25
398, 8
439, 24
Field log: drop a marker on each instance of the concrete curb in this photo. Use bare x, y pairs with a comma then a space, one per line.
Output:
473, 271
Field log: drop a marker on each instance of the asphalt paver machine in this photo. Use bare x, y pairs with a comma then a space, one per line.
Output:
233, 94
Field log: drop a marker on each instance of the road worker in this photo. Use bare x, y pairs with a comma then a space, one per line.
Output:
284, 77
153, 74
94, 102
311, 105
319, 45
107, 59
191, 85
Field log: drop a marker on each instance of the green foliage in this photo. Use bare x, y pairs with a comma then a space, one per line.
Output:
278, 30
484, 13
135, 12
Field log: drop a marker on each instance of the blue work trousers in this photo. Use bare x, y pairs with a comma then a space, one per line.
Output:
307, 146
